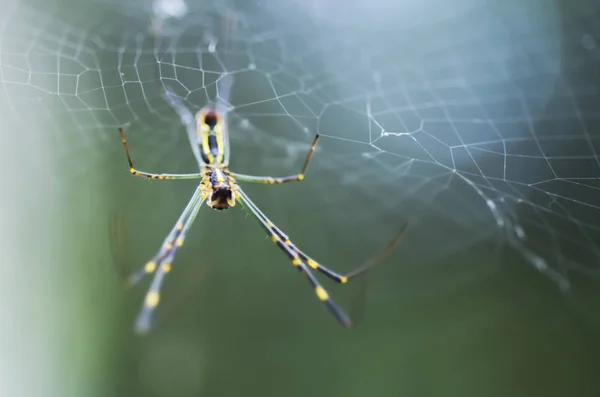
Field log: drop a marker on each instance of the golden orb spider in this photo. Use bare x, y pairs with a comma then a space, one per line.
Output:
219, 188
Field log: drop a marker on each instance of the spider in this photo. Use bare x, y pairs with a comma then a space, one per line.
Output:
219, 188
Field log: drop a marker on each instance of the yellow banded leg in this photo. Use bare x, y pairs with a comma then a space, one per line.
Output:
168, 242
150, 266
269, 180
149, 175
309, 261
342, 279
321, 293
161, 177
144, 320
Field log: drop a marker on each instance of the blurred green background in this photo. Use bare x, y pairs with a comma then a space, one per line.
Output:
458, 310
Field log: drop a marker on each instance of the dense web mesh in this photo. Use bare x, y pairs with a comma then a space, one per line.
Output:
468, 120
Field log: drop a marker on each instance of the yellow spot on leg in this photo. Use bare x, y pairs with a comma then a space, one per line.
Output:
150, 267
132, 170
312, 264
274, 238
179, 226
152, 299
296, 261
287, 242
166, 267
343, 279
300, 177
321, 293
179, 241
169, 245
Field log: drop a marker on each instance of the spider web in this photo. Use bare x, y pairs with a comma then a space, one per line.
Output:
474, 121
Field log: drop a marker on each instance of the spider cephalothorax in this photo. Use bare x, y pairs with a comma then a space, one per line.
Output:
221, 198
222, 195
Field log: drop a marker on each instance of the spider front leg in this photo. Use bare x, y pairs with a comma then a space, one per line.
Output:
304, 263
149, 175
339, 278
269, 180
292, 254
161, 263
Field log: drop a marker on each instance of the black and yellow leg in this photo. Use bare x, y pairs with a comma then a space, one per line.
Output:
162, 262
269, 180
342, 279
150, 266
286, 248
168, 242
148, 175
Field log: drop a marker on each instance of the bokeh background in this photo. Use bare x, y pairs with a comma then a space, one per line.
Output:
475, 121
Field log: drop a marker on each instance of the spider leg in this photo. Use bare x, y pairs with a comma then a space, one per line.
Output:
342, 279
149, 175
286, 248
269, 180
187, 119
161, 263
